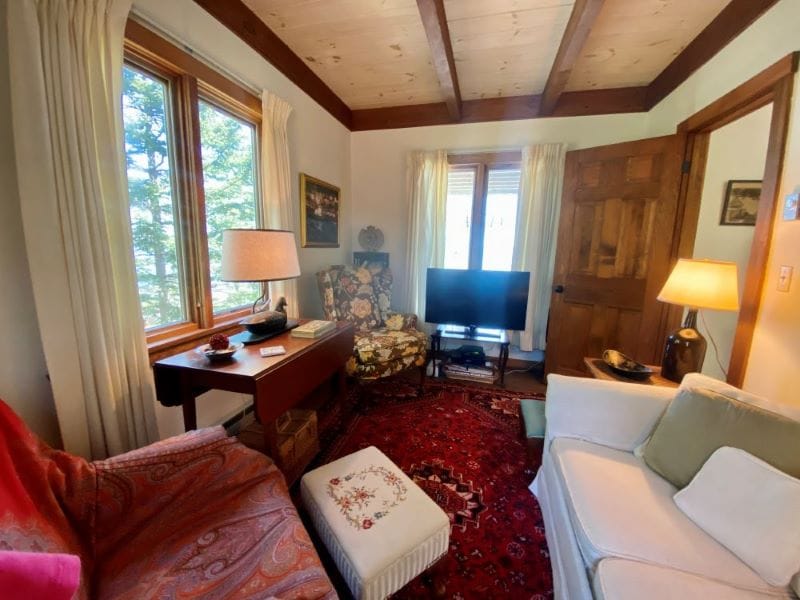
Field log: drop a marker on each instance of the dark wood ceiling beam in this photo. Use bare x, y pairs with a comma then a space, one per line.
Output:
435, 22
729, 23
580, 23
570, 104
235, 15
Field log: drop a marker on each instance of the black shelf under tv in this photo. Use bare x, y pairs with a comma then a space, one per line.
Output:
470, 334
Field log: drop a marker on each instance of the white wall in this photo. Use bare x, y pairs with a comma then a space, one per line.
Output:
23, 372
736, 151
775, 352
319, 146
378, 165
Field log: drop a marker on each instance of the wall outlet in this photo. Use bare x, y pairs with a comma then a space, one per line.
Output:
785, 278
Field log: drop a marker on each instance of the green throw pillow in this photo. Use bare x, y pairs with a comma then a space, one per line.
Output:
699, 421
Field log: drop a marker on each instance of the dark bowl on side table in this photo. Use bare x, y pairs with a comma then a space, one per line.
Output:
625, 366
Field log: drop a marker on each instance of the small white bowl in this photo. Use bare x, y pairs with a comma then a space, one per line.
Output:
211, 354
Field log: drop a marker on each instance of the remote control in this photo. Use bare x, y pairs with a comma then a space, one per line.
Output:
273, 351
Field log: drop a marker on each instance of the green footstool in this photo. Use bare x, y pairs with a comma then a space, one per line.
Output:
533, 426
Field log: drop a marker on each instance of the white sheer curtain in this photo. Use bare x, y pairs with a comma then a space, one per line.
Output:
541, 180
427, 201
276, 198
66, 64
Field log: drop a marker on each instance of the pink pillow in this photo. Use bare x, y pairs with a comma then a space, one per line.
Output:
38, 575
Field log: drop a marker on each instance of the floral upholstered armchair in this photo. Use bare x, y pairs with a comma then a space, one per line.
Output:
193, 516
386, 342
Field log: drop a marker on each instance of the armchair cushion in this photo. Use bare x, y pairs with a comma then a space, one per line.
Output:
396, 321
384, 345
349, 295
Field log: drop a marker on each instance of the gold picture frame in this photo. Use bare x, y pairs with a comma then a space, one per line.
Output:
320, 204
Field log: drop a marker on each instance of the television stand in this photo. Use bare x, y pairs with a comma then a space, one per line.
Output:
451, 332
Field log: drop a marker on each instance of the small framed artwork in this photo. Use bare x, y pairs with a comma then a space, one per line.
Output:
319, 213
740, 206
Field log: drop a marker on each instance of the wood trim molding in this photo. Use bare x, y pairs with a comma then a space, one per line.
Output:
749, 96
768, 206
235, 15
580, 23
570, 104
434, 20
155, 50
774, 84
730, 22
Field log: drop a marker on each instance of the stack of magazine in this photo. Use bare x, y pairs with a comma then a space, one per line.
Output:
485, 374
313, 329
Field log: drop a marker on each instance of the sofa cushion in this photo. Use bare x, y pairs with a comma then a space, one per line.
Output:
698, 380
751, 508
618, 579
384, 345
699, 421
620, 508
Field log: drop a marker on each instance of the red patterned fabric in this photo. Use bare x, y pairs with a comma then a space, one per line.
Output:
195, 516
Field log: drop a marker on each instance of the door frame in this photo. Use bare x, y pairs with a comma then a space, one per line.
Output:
772, 85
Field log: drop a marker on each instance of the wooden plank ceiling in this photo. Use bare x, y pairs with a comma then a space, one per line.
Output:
395, 63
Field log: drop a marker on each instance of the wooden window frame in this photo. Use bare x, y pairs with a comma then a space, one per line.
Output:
190, 81
481, 163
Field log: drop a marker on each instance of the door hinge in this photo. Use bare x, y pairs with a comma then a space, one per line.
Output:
686, 166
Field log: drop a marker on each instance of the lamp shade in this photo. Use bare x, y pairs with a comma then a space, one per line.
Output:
702, 284
258, 255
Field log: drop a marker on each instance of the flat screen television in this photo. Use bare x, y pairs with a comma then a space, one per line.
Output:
472, 298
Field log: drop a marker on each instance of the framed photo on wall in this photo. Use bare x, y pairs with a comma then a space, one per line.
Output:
740, 206
319, 213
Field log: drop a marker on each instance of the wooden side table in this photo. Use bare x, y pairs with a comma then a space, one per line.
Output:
599, 370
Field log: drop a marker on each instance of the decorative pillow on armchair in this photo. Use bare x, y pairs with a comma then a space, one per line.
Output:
354, 297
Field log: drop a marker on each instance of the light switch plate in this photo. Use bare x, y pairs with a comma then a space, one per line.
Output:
785, 278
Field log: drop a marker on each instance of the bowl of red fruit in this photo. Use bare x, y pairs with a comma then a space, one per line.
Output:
219, 348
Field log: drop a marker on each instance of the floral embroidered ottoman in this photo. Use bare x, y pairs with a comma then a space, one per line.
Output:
378, 525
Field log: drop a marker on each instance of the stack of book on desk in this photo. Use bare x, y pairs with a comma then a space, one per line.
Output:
313, 329
485, 374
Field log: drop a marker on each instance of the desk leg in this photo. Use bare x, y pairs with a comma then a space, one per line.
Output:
189, 413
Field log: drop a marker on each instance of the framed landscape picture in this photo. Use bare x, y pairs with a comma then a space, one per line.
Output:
319, 213
740, 206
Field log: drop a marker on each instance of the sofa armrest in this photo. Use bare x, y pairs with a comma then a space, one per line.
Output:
179, 443
396, 321
615, 414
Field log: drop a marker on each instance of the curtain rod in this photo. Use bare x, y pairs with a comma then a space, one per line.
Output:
201, 56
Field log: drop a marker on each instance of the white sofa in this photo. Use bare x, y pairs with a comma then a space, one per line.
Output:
613, 529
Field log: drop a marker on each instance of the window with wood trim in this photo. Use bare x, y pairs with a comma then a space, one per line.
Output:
191, 146
481, 212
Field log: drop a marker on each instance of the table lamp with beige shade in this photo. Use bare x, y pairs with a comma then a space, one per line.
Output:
261, 256
695, 284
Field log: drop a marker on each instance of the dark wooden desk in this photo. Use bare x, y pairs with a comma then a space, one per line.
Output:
276, 383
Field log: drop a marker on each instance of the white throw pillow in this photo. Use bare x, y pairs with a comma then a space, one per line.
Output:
749, 507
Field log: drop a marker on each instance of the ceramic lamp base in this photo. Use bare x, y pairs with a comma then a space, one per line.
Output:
684, 351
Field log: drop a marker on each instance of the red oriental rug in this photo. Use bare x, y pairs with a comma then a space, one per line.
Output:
462, 445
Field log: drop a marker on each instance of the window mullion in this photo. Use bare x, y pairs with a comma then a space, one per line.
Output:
478, 218
193, 229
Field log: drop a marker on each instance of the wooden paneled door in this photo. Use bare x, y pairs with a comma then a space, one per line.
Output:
615, 241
